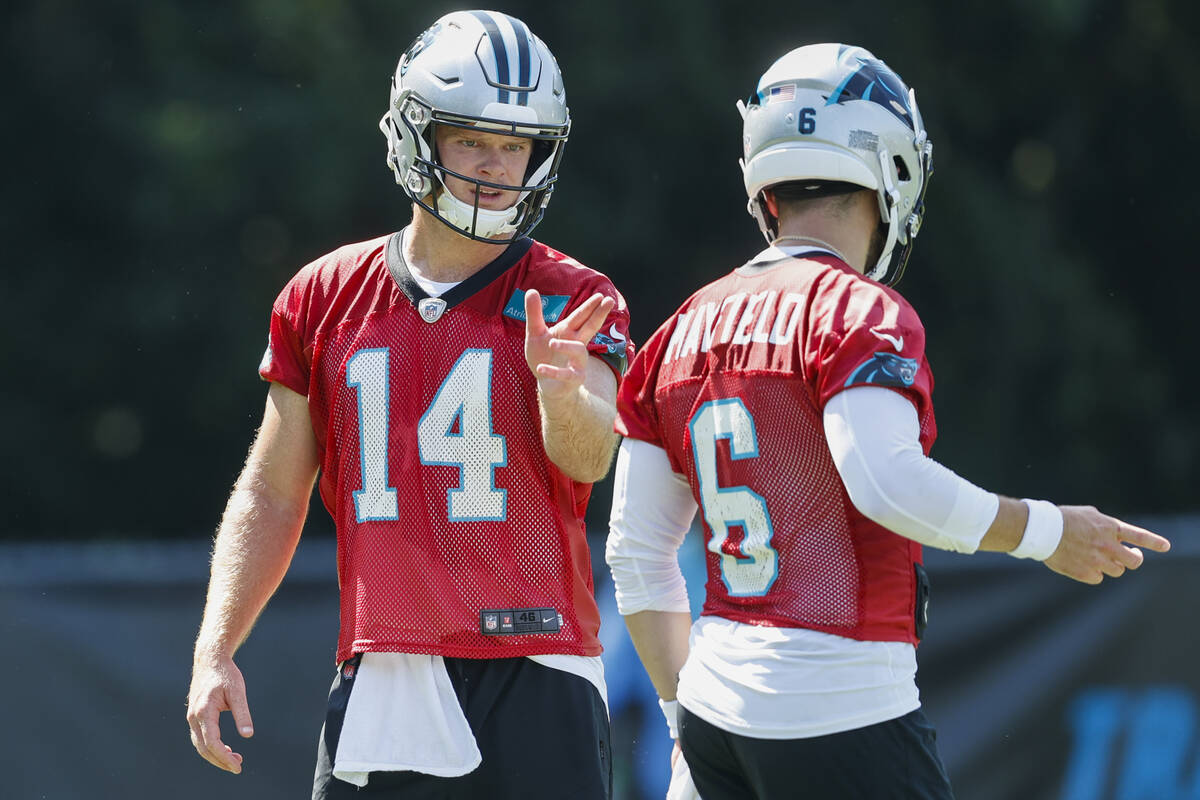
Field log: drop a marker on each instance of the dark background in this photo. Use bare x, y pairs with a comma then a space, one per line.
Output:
170, 165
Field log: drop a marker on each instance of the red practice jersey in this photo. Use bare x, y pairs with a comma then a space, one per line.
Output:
451, 520
733, 387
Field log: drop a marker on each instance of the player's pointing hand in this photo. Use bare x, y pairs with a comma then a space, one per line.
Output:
558, 355
1095, 545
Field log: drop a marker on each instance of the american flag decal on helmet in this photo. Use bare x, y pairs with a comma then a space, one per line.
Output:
781, 94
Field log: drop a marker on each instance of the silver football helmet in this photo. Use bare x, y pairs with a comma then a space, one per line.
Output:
477, 70
836, 113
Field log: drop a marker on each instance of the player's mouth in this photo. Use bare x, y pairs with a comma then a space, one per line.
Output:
488, 197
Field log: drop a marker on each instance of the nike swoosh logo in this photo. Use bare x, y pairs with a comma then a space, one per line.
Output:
548, 619
896, 343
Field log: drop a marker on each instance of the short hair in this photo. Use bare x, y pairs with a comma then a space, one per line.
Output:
800, 195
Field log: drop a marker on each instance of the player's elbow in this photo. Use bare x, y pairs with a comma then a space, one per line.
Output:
869, 500
876, 494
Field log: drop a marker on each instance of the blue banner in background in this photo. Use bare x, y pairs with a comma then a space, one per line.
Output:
1040, 688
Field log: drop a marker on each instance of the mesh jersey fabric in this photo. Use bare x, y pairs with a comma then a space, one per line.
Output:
429, 436
732, 386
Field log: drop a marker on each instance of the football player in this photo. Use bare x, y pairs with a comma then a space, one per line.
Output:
453, 385
789, 402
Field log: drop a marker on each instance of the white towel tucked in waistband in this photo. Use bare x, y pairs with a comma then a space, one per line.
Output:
403, 715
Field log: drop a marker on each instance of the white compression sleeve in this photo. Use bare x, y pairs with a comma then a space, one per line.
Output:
873, 435
652, 510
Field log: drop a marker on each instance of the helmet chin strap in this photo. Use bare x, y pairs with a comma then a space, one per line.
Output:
889, 201
880, 270
487, 223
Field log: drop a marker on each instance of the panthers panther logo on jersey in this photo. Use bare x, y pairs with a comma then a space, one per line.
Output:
885, 369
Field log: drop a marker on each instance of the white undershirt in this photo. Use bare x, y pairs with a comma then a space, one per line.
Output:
783, 683
432, 288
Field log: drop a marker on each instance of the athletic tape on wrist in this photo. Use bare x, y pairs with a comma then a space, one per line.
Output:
670, 709
1043, 531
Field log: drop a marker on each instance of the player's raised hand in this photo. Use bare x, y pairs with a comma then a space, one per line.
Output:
558, 355
217, 686
1095, 545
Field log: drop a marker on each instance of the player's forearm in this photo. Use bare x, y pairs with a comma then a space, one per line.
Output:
577, 432
661, 640
253, 548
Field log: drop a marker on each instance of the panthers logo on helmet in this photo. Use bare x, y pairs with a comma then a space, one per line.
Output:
885, 369
419, 44
874, 82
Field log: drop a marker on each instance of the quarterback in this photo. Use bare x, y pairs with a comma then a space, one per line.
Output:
453, 386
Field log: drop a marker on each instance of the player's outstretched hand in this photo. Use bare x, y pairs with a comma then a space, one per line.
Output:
216, 687
1095, 545
558, 355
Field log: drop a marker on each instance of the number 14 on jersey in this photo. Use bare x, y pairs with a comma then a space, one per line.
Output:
455, 430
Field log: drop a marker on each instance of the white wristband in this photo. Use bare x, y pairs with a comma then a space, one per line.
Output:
1043, 531
670, 709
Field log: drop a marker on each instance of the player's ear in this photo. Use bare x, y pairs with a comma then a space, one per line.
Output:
771, 202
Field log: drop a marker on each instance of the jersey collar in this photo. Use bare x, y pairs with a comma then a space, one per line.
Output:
398, 268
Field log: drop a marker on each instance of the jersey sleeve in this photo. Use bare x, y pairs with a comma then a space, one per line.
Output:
288, 358
637, 416
866, 335
612, 343
565, 284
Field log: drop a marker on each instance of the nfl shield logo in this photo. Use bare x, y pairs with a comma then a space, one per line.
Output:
490, 621
431, 308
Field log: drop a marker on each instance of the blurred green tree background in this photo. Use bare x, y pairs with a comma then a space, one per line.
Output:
170, 165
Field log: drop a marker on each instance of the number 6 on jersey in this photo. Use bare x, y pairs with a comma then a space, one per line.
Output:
755, 570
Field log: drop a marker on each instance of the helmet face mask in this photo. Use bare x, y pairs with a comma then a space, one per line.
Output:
484, 71
831, 113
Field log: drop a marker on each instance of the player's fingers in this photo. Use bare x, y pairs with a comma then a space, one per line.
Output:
240, 709
575, 351
215, 751
535, 323
208, 724
194, 731
1077, 572
1113, 569
1130, 557
581, 318
596, 320
1144, 538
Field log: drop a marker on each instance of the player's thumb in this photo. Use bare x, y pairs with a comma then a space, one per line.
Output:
240, 710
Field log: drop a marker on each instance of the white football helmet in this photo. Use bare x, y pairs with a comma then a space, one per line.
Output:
833, 113
477, 69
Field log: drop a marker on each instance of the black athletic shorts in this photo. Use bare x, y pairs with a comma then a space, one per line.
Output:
893, 760
542, 732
